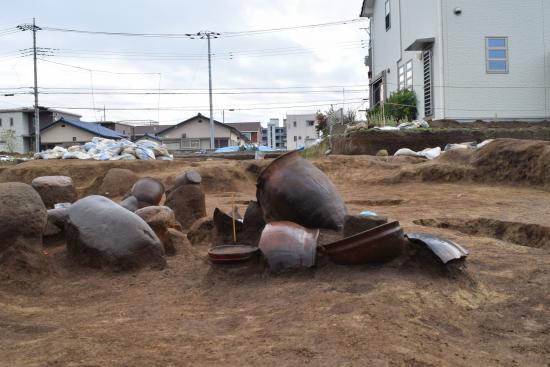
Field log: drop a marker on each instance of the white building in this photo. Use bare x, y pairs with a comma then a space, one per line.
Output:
300, 130
465, 59
274, 136
21, 120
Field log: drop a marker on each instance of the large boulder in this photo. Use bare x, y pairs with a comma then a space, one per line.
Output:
188, 204
101, 233
160, 219
55, 189
117, 182
22, 215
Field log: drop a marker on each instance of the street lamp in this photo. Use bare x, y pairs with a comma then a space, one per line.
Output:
223, 114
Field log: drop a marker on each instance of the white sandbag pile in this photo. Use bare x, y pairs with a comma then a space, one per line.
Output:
429, 153
101, 149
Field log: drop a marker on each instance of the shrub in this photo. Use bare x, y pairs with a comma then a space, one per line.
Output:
401, 106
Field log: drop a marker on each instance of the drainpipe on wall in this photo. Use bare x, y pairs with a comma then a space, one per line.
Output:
442, 62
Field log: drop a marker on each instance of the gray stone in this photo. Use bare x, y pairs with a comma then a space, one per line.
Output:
130, 203
101, 233
57, 218
55, 189
188, 178
22, 215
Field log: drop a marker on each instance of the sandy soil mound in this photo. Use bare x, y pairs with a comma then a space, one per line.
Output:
504, 161
24, 264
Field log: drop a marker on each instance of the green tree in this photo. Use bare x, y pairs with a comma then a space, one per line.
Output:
401, 105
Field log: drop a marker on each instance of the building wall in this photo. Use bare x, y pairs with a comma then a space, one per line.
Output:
274, 136
419, 19
462, 89
410, 20
20, 126
471, 92
299, 134
62, 134
386, 44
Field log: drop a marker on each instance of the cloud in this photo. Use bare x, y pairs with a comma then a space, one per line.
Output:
299, 58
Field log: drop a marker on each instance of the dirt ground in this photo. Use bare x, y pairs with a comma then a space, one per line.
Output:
409, 312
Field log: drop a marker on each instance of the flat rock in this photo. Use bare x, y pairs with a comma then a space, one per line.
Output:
101, 233
22, 215
55, 189
188, 178
117, 181
160, 219
188, 204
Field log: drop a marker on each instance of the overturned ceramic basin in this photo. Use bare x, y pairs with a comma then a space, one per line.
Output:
292, 189
446, 250
148, 191
288, 245
379, 244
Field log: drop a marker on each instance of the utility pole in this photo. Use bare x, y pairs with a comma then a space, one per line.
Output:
36, 111
34, 28
209, 35
104, 118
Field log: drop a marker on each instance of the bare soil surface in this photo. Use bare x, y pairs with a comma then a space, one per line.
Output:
493, 311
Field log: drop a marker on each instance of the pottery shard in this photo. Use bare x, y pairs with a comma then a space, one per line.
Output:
117, 181
160, 219
253, 224
55, 189
101, 233
354, 224
188, 204
22, 215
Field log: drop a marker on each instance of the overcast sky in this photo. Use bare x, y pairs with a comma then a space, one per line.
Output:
313, 57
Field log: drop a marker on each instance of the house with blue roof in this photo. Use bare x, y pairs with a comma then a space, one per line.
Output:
66, 132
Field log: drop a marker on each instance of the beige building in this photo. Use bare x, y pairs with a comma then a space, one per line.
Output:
194, 134
66, 132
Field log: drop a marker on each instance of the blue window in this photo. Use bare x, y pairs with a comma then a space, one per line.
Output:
496, 54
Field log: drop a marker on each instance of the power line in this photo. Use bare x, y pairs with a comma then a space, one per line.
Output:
193, 108
192, 35
96, 70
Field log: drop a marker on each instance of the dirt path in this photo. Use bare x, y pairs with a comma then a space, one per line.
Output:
405, 313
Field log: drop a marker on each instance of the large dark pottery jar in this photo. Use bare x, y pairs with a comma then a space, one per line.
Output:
292, 189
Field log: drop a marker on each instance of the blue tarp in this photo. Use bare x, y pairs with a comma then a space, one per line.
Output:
263, 148
227, 149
